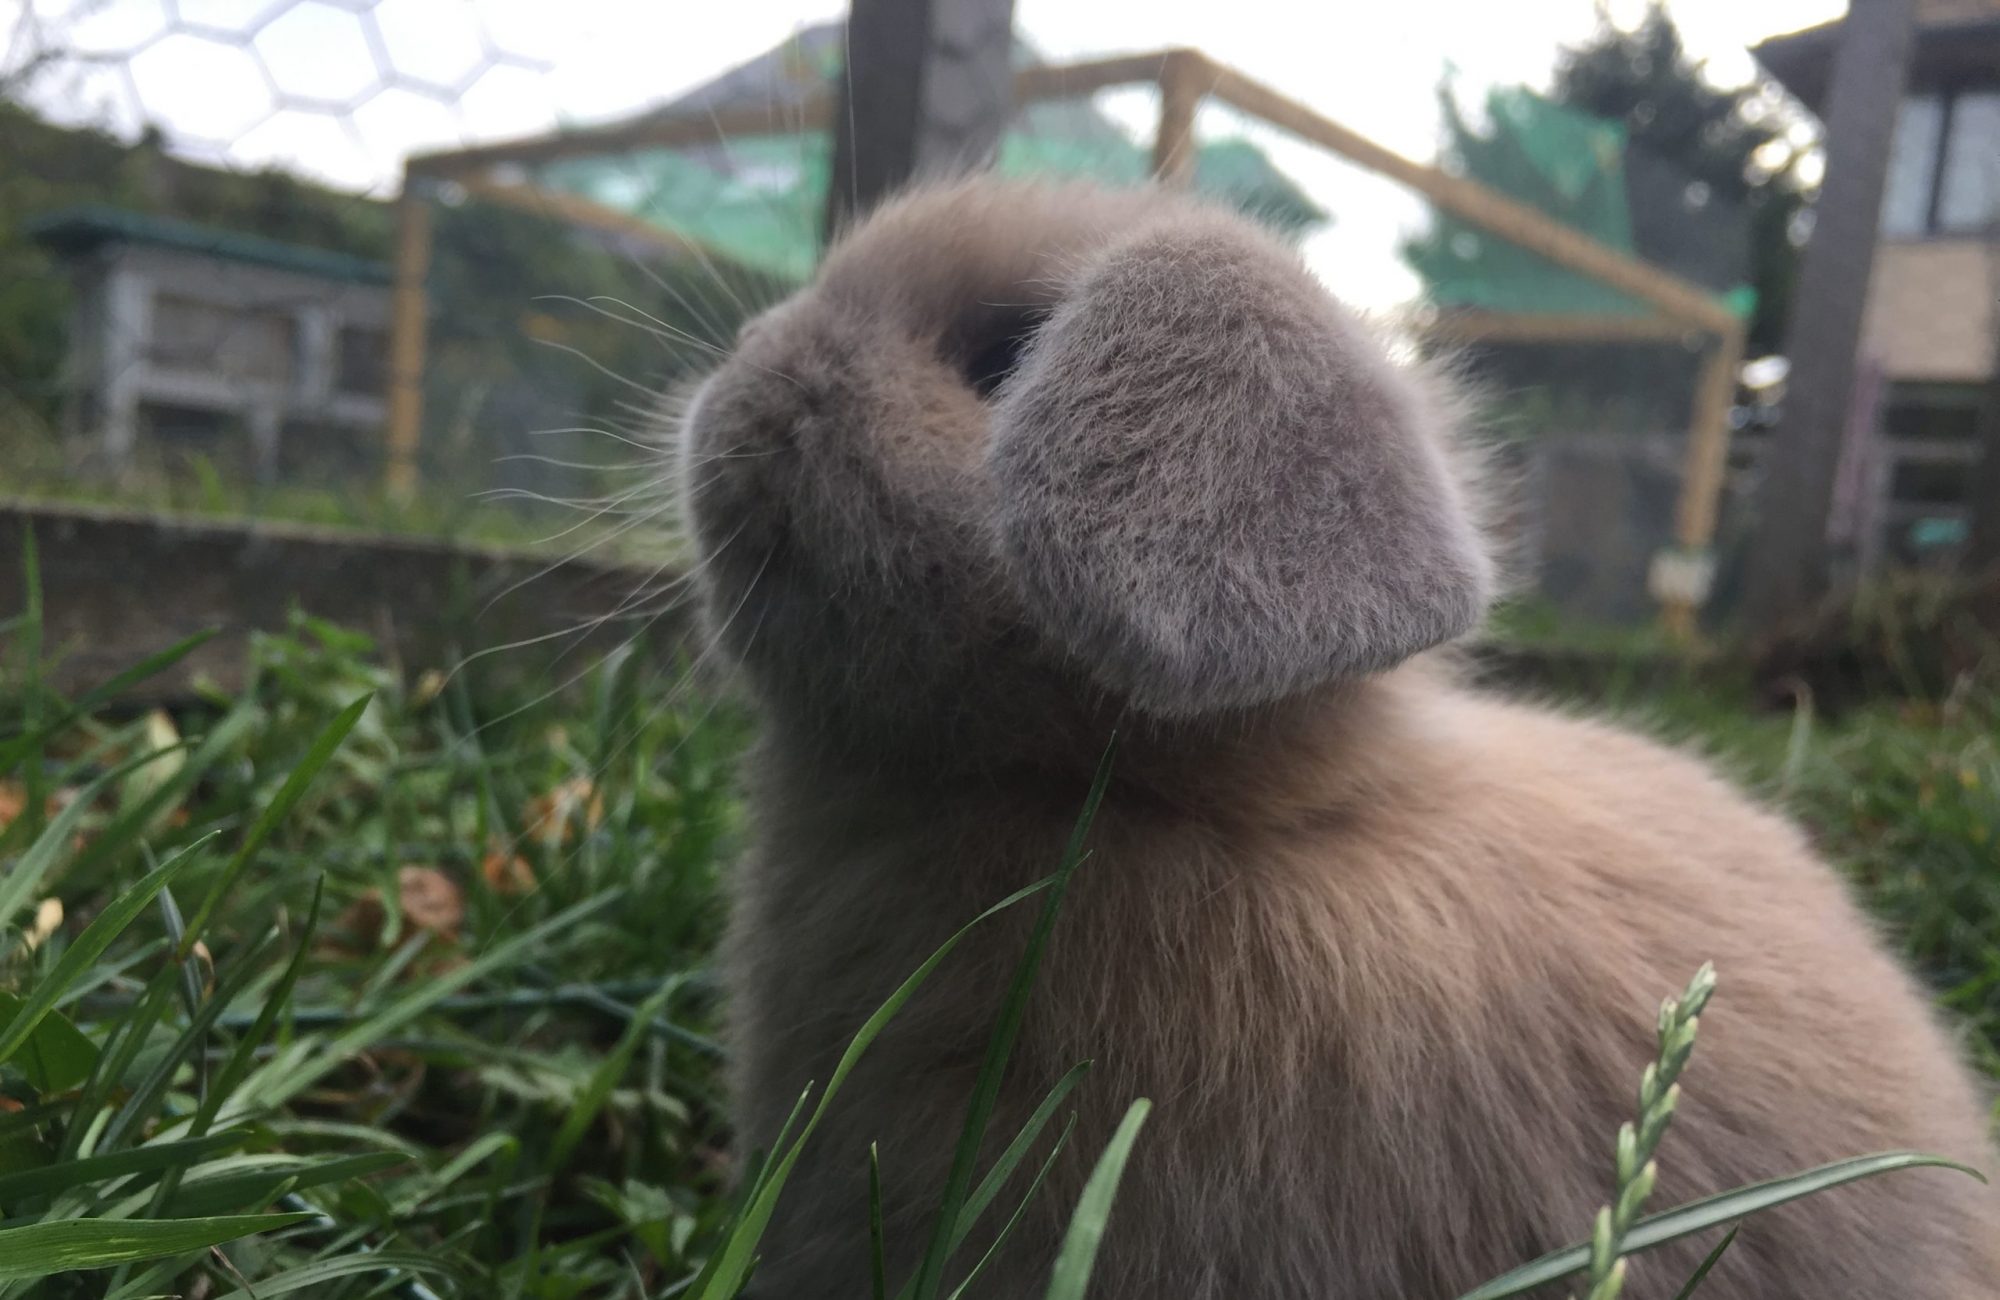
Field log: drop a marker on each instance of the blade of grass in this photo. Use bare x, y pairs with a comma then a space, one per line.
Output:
20, 885
234, 1193
475, 1154
152, 1088
1000, 1046
1711, 1212
70, 1174
322, 1271
878, 1269
1709, 1262
57, 1056
1003, 1168
759, 1168
1007, 1229
129, 826
731, 1264
1071, 1276
91, 1109
358, 1038
1009, 1160
243, 1057
281, 805
39, 1250
609, 1071
111, 689
35, 780
89, 946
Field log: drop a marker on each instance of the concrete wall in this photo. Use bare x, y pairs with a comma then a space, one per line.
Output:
118, 586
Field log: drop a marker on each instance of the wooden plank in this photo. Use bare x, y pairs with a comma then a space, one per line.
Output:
1473, 202
555, 205
408, 335
1555, 327
718, 127
1075, 80
1180, 98
816, 113
1706, 469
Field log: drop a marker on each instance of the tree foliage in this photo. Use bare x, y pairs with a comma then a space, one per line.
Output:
1735, 140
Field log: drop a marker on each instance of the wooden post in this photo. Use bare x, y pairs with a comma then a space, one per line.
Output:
1702, 480
1470, 201
1982, 545
927, 91
1181, 93
1791, 565
408, 328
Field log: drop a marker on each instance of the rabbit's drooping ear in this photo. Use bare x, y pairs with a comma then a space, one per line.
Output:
1215, 490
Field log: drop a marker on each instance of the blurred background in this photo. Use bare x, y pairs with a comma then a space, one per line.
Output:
337, 576
418, 267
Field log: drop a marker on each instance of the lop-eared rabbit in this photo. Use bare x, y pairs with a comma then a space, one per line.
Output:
1027, 466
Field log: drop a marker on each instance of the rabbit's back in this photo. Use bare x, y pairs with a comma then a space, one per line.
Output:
1392, 1001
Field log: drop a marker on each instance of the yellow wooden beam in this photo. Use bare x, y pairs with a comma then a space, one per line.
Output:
408, 335
1475, 203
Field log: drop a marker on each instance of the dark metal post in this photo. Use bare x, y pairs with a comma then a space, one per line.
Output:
1791, 564
1982, 553
926, 91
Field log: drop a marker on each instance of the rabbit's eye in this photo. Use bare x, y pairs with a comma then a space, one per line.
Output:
991, 360
991, 365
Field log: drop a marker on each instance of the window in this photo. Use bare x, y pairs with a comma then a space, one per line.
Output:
1944, 165
1968, 197
216, 339
1913, 149
361, 369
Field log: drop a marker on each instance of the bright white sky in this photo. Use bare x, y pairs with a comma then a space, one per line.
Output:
1373, 66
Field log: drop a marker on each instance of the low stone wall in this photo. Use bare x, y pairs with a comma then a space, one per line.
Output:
120, 585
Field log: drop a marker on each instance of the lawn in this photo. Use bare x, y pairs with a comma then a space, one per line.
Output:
344, 986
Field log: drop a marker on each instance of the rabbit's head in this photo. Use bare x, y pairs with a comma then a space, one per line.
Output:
1026, 458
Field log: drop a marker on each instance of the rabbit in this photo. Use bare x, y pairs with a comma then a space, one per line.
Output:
1029, 466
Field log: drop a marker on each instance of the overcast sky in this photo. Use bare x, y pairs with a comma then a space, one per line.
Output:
320, 92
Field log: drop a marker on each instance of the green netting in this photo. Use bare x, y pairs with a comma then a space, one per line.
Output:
760, 200
1566, 164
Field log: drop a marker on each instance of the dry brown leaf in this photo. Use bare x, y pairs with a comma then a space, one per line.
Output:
507, 873
555, 816
431, 900
13, 802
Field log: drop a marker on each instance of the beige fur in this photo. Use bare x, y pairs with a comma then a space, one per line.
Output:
1028, 465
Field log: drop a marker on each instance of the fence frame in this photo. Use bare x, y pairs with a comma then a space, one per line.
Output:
1185, 79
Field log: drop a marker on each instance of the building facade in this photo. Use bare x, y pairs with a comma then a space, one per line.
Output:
1932, 329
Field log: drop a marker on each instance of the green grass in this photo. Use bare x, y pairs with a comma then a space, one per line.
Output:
426, 965
344, 987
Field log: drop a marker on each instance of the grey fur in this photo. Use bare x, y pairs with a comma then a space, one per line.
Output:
1198, 464
1381, 948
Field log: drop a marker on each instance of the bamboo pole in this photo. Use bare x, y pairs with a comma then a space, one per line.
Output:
408, 328
1477, 204
1705, 471
1555, 327
1180, 97
554, 205
720, 126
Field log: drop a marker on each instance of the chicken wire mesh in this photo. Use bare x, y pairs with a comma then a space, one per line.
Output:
199, 261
